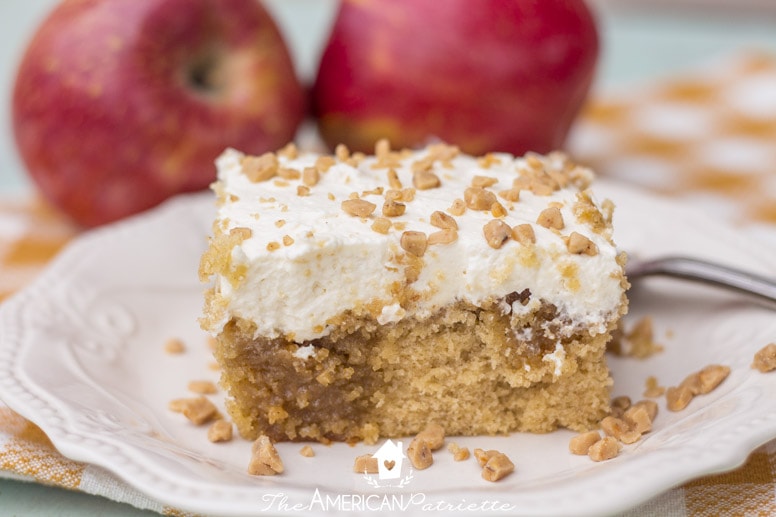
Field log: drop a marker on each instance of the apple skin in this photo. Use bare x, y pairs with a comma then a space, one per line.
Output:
490, 75
120, 104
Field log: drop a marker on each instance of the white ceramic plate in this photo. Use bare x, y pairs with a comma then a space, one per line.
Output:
82, 355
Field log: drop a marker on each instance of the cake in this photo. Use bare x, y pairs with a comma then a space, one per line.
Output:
353, 297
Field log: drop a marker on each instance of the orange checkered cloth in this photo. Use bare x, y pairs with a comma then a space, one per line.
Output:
708, 137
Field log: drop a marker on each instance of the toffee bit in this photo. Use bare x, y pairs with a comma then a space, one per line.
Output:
202, 387
604, 449
414, 243
342, 152
498, 210
381, 225
358, 207
578, 244
289, 174
497, 232
483, 181
324, 163
444, 221
458, 207
419, 453
365, 464
581, 443
512, 194
425, 180
478, 198
393, 180
442, 237
382, 147
551, 218
220, 431
260, 168
290, 151
524, 234
393, 208
310, 176
497, 467
765, 359
265, 460
241, 233
174, 346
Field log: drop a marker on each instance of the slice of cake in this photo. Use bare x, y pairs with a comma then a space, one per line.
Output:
358, 296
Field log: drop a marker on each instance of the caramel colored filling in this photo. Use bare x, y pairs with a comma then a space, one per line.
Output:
465, 368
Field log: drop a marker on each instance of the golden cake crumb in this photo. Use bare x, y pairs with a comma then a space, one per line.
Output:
307, 451
639, 342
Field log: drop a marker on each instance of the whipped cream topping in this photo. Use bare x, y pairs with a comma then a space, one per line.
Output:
305, 260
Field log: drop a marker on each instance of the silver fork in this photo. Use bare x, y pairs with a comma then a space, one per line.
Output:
687, 268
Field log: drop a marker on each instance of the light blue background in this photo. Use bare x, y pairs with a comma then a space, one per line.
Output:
637, 45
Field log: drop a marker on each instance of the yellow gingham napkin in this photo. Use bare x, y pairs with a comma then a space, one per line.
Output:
708, 137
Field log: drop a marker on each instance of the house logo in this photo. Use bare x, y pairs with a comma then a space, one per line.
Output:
390, 464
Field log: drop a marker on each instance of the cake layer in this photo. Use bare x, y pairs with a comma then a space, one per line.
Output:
456, 368
302, 240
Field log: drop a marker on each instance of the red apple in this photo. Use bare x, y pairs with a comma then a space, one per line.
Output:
119, 104
487, 75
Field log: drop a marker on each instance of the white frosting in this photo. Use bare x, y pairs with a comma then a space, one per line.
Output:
557, 357
337, 262
305, 352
